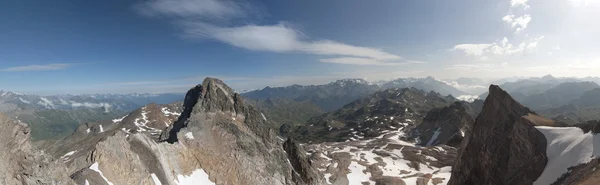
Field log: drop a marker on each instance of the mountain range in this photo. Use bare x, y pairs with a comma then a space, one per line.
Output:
336, 94
53, 117
394, 136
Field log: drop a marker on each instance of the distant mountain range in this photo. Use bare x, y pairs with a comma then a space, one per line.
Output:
109, 102
52, 117
336, 94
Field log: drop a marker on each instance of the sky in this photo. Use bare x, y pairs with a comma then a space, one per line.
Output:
122, 46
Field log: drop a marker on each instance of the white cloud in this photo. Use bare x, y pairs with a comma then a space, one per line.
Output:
105, 106
47, 67
503, 47
516, 3
520, 23
472, 49
280, 38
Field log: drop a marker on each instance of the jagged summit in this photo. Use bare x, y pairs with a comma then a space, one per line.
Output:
350, 81
504, 147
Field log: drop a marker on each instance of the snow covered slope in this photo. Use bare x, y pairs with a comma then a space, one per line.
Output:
567, 147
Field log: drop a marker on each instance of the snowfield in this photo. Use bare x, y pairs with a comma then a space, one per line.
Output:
385, 153
566, 147
197, 177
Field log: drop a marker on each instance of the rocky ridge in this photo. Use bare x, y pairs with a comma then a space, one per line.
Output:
20, 163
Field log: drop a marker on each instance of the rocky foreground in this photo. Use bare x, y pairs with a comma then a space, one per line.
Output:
214, 137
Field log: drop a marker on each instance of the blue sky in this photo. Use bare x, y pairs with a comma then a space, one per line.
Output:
117, 46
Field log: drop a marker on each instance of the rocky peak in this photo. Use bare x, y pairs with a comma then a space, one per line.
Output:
504, 147
229, 135
447, 125
214, 96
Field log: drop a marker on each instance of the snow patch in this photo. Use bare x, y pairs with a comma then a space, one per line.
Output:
189, 135
101, 129
141, 122
118, 120
96, 168
155, 179
166, 112
263, 116
67, 155
356, 175
88, 130
566, 147
197, 177
327, 175
436, 133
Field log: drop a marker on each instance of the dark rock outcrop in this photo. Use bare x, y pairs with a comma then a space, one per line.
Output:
504, 147
443, 125
304, 173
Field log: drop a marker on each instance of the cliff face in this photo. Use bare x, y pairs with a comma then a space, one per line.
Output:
504, 147
20, 164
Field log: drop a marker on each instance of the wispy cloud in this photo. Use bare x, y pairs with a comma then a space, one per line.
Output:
187, 8
45, 67
204, 19
365, 61
502, 47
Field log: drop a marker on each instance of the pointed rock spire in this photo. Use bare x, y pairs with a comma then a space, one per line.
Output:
503, 148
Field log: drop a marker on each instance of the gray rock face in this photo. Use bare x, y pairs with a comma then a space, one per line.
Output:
229, 139
305, 172
504, 146
20, 163
444, 125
